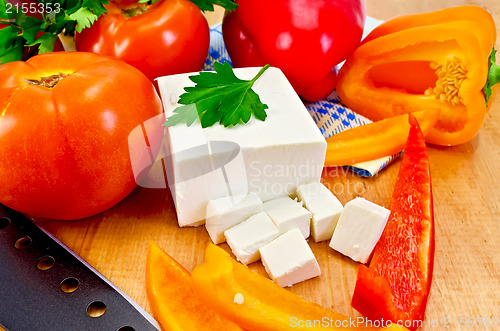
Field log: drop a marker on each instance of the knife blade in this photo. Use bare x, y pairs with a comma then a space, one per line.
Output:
46, 286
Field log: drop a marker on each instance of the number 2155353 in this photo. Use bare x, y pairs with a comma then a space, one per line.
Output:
33, 8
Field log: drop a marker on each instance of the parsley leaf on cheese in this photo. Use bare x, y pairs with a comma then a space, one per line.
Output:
219, 97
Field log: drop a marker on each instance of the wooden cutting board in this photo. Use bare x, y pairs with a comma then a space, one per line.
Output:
466, 280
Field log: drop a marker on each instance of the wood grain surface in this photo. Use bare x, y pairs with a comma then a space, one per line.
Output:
466, 281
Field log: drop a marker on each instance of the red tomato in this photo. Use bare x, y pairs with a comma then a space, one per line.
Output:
171, 37
65, 148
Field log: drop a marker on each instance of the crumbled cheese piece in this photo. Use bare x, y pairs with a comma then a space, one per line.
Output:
324, 206
288, 214
239, 298
359, 228
288, 259
246, 238
223, 213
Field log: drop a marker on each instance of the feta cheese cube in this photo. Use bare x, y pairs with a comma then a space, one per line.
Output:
288, 214
359, 228
270, 158
226, 212
246, 238
324, 206
288, 259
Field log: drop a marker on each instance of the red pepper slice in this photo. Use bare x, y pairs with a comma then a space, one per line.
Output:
397, 282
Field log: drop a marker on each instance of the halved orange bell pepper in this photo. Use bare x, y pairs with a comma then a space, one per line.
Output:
257, 303
375, 140
173, 297
458, 13
435, 60
397, 281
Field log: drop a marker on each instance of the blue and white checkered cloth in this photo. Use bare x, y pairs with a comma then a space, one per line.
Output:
330, 115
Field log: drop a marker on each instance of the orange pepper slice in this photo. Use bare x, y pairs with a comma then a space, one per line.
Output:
262, 304
174, 300
375, 140
407, 64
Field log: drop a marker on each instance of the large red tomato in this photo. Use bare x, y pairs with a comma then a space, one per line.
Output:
171, 37
64, 123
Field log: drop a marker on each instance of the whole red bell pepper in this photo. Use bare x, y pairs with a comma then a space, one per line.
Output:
396, 284
167, 37
304, 38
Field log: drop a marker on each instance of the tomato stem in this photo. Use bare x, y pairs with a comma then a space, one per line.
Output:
47, 81
134, 11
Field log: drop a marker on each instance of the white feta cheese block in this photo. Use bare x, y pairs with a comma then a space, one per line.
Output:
359, 229
324, 206
288, 214
270, 158
226, 212
246, 238
288, 259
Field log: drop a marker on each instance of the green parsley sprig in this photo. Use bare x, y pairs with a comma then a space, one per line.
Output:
58, 16
208, 5
219, 97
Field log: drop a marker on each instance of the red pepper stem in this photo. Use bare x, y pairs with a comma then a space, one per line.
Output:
494, 74
261, 71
